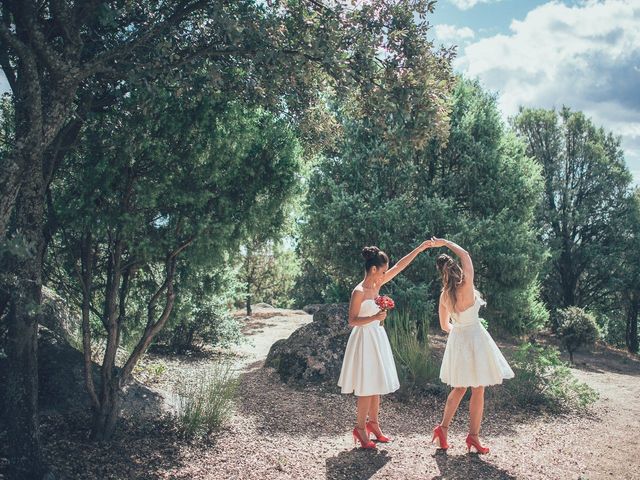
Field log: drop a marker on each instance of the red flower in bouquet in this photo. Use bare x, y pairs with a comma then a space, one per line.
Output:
384, 303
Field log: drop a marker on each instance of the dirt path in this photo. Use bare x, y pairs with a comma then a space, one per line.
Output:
613, 442
265, 327
280, 432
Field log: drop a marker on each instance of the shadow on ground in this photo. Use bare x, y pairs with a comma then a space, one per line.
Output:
467, 466
139, 450
280, 408
356, 464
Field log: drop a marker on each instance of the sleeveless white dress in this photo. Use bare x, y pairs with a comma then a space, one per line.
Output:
368, 367
471, 357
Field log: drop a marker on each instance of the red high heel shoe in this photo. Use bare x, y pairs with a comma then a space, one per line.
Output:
472, 442
381, 438
439, 435
363, 443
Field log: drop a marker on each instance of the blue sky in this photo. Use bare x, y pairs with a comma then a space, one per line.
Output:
581, 53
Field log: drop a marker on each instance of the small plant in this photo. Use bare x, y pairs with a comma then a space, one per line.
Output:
149, 371
416, 366
576, 328
484, 323
206, 402
543, 379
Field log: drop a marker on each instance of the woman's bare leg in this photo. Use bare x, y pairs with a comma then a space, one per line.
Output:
364, 405
453, 401
476, 407
374, 410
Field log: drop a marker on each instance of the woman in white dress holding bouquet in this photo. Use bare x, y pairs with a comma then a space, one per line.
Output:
471, 357
368, 368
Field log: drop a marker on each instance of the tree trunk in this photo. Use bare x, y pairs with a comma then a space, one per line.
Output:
632, 324
248, 296
22, 317
105, 416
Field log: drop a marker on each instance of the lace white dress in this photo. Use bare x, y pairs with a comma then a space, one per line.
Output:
368, 367
471, 357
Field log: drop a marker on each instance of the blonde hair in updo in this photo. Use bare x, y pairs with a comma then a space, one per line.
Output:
452, 278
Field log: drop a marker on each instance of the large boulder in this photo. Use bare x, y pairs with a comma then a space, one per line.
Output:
313, 308
61, 320
314, 352
61, 386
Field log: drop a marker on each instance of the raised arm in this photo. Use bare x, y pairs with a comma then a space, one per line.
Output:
357, 297
465, 259
443, 313
404, 262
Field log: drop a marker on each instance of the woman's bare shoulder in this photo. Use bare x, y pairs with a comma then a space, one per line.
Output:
358, 290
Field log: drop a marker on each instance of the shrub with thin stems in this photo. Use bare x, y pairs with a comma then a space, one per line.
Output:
415, 364
206, 402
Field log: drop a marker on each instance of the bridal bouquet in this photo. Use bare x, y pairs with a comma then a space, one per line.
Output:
384, 303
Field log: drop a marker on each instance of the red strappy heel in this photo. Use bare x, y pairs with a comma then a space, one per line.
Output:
472, 442
381, 438
363, 443
439, 435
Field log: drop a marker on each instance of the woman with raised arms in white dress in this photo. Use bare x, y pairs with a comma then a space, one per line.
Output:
471, 357
368, 368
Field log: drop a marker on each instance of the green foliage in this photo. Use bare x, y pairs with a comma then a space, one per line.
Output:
576, 328
202, 313
542, 379
481, 190
162, 188
629, 290
149, 372
582, 215
417, 368
205, 403
268, 270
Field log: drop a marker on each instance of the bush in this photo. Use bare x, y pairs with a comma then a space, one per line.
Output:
212, 326
543, 379
416, 366
206, 402
202, 312
576, 328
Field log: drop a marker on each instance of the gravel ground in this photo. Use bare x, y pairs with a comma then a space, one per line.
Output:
280, 432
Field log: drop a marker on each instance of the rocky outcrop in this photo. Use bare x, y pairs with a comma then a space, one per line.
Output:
313, 308
61, 386
314, 352
58, 317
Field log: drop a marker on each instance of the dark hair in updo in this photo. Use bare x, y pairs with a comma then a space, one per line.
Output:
374, 257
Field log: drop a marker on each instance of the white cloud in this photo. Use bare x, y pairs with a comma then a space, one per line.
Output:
452, 34
467, 4
586, 57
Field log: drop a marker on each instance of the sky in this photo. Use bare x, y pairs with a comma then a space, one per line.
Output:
584, 54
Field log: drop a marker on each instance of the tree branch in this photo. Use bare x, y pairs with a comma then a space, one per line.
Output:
101, 60
153, 326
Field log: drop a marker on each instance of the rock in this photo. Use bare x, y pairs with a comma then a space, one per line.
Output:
61, 382
314, 352
58, 317
263, 306
313, 308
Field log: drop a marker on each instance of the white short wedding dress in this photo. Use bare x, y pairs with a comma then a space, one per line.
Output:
471, 357
368, 367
